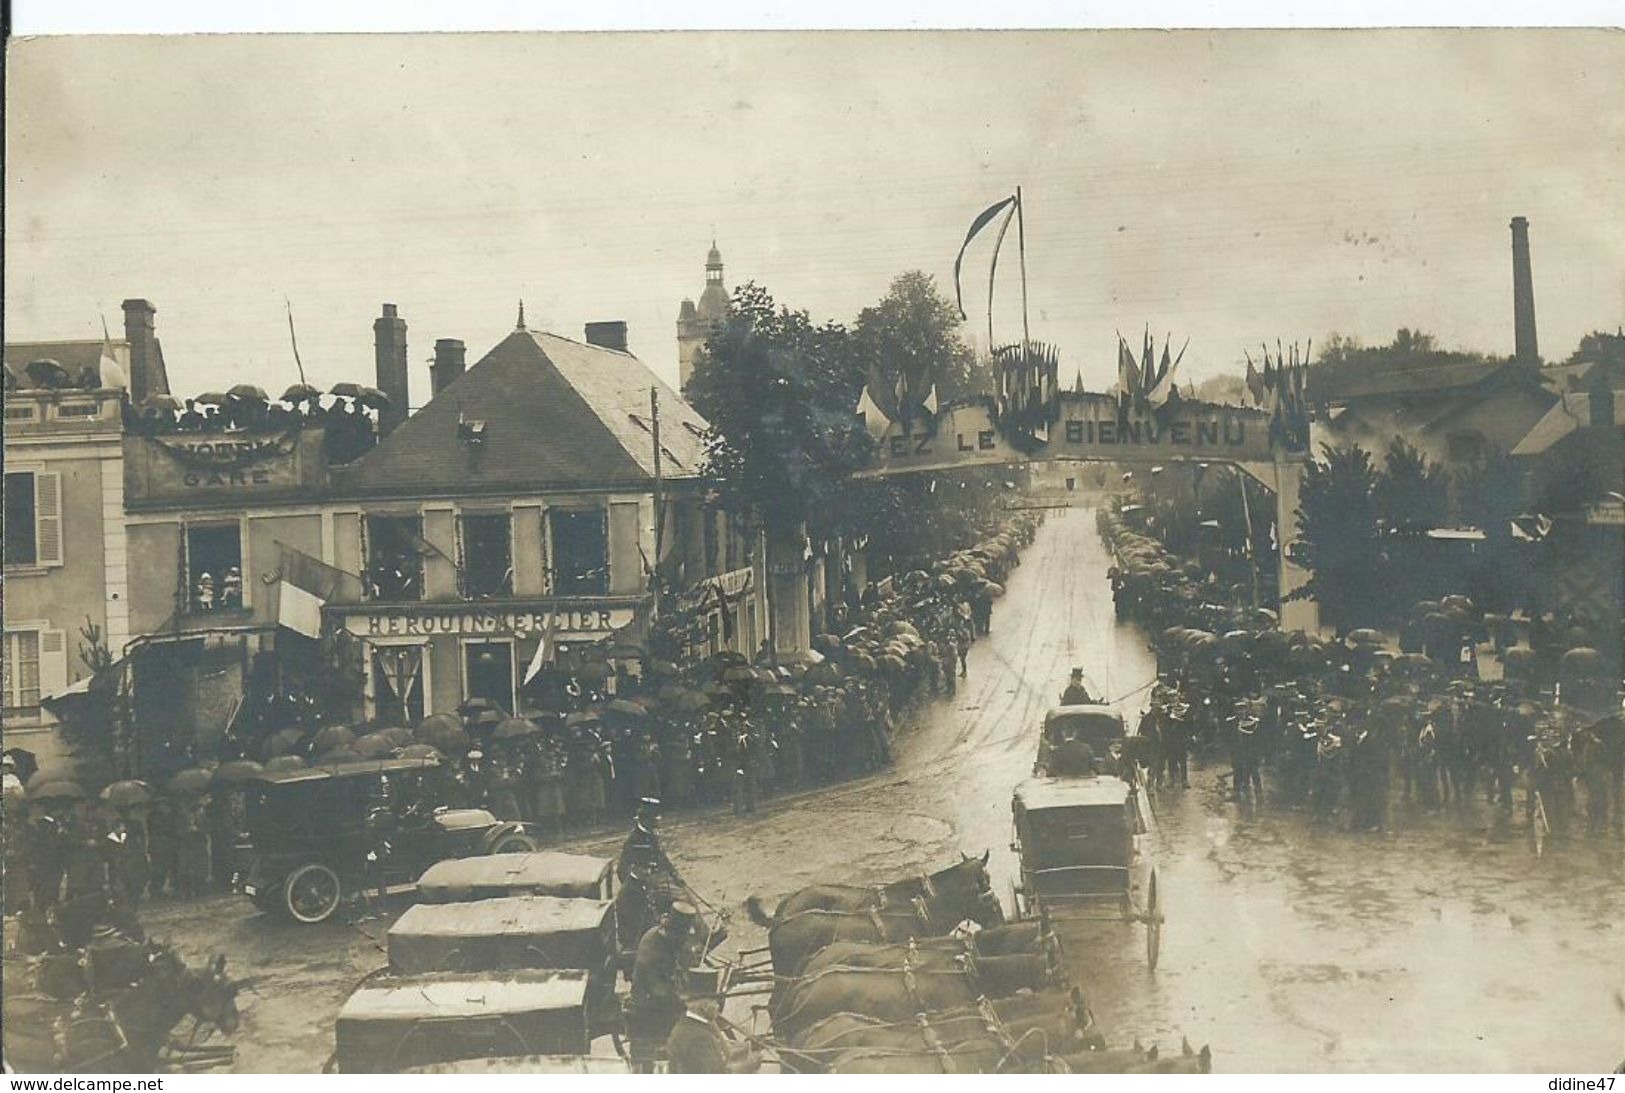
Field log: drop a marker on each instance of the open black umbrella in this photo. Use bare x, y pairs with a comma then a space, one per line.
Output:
190, 780
210, 398
48, 373
346, 390
334, 736
477, 705
513, 728
238, 770
374, 745
284, 763
627, 708
167, 403
302, 392
371, 396
57, 791
127, 794
282, 742
247, 392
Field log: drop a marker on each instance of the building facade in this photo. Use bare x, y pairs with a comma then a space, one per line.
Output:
67, 573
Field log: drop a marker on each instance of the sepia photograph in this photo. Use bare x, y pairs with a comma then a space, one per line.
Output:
817, 552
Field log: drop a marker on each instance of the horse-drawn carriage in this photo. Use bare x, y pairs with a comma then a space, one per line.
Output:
392, 1023
876, 980
1076, 741
1080, 846
510, 955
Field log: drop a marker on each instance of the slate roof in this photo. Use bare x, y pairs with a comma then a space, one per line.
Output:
75, 356
559, 415
1409, 377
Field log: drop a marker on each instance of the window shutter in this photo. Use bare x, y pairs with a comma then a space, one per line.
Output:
461, 560
48, 517
53, 661
547, 551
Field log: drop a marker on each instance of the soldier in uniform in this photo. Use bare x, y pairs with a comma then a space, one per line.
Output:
642, 853
656, 1005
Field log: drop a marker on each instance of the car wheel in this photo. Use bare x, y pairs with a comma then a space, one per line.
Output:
311, 893
515, 842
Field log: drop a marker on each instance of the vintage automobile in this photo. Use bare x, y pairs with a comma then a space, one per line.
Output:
1066, 727
323, 834
1080, 844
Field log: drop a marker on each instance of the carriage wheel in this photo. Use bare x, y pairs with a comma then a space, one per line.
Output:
621, 1049
516, 842
1153, 924
311, 893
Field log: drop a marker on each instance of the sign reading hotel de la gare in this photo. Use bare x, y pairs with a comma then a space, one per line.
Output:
1089, 427
429, 620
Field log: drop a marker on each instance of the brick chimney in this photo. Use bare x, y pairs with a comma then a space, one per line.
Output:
147, 376
1523, 296
389, 343
608, 335
449, 362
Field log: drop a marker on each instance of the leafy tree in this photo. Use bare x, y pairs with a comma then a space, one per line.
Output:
1488, 497
779, 393
914, 331
1338, 542
1413, 492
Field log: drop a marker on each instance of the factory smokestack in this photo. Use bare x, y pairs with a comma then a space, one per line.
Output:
1523, 296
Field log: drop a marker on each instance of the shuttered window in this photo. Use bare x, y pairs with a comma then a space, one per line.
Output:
33, 517
35, 662
48, 517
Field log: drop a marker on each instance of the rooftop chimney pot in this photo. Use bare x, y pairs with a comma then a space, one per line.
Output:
450, 358
147, 375
389, 345
608, 335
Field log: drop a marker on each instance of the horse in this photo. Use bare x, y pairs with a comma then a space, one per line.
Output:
1010, 940
966, 877
1062, 1021
125, 1029
793, 940
891, 995
985, 1053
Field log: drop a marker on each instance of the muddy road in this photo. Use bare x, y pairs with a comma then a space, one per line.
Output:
1443, 945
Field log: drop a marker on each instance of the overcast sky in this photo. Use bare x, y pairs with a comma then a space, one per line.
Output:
1229, 187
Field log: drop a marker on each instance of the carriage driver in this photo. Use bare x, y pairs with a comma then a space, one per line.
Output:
697, 1046
1077, 692
656, 1003
642, 856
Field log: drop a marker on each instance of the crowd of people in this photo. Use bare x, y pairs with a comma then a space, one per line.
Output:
725, 730
1346, 728
350, 420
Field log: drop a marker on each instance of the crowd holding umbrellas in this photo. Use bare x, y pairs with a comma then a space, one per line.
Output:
350, 419
726, 729
1343, 725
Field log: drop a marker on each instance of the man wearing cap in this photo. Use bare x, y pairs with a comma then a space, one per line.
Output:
642, 853
657, 972
697, 1046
